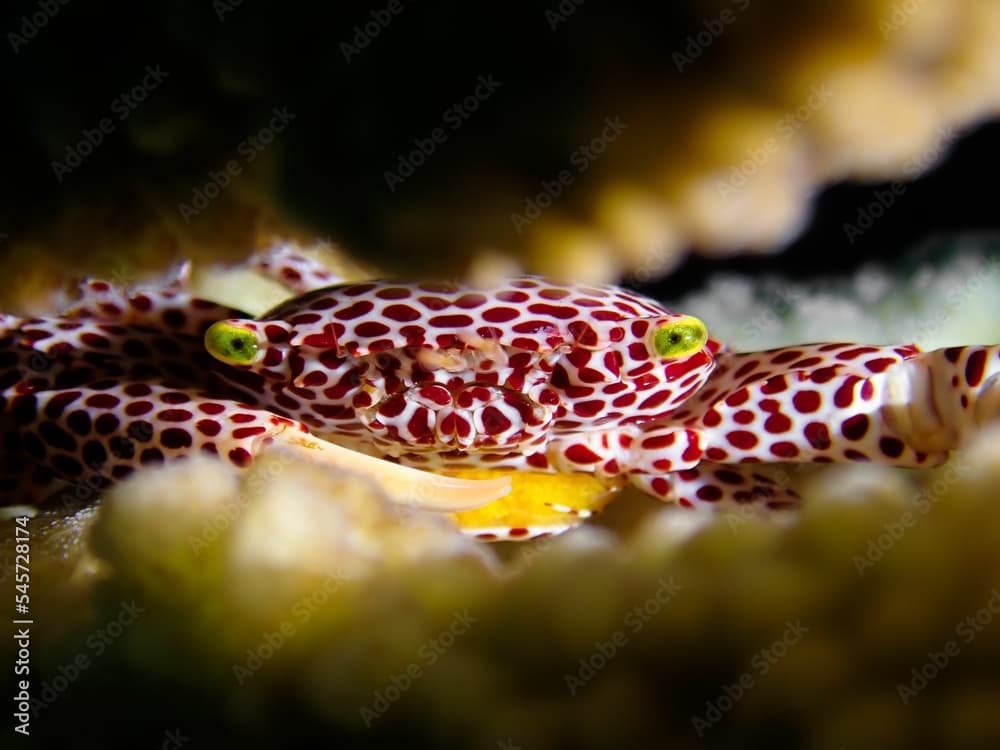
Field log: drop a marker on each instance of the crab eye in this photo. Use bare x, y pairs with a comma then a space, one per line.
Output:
231, 343
680, 338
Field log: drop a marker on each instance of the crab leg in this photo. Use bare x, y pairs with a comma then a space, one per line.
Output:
709, 485
103, 431
169, 309
835, 402
826, 402
937, 399
292, 269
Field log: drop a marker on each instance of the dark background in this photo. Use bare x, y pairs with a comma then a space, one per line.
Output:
952, 197
231, 64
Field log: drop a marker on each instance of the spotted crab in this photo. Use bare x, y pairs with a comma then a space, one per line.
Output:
413, 382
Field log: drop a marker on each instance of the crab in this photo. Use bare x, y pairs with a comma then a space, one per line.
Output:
416, 383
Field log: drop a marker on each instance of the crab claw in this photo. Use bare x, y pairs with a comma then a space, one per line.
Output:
401, 484
936, 399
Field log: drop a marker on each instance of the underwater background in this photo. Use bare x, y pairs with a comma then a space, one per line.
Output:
820, 171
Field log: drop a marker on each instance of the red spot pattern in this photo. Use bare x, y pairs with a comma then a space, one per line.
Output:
975, 368
354, 311
777, 423
240, 457
818, 436
806, 402
208, 427
855, 427
581, 454
891, 446
138, 408
500, 314
102, 401
401, 313
742, 439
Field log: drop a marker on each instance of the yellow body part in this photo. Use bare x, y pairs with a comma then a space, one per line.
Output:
537, 504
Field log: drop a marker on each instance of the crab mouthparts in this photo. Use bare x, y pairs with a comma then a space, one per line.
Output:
433, 416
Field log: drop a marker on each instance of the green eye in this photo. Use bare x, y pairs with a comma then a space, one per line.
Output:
680, 338
231, 343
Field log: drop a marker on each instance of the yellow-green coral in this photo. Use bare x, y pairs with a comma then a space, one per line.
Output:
311, 590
